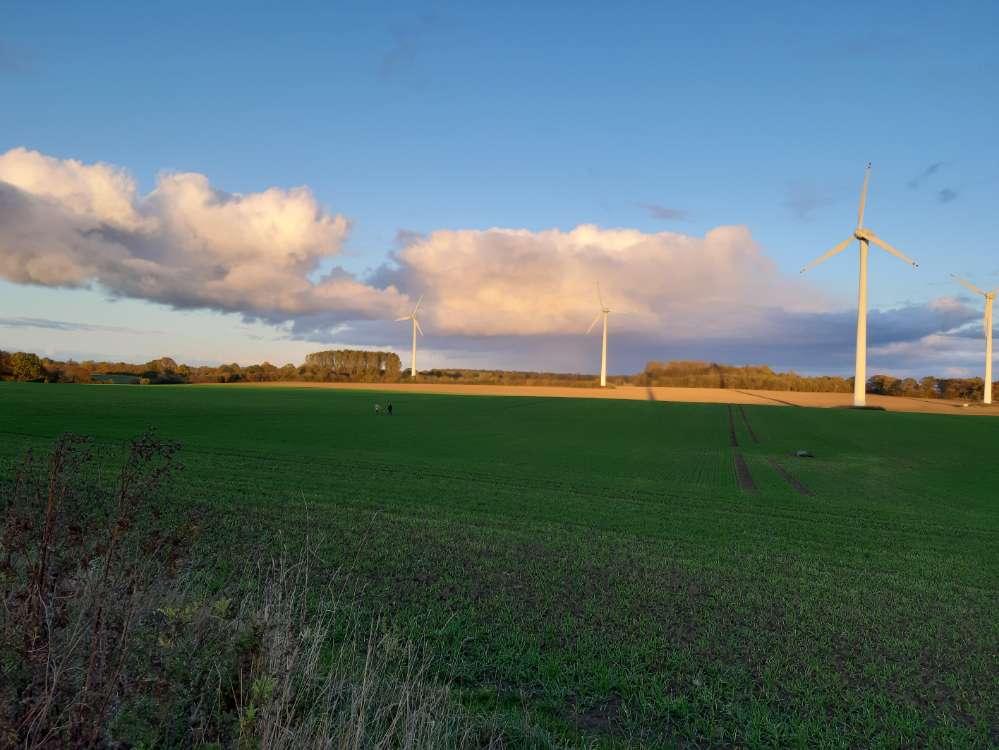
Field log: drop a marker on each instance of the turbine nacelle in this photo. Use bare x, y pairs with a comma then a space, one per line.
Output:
604, 310
975, 289
866, 235
412, 316
989, 299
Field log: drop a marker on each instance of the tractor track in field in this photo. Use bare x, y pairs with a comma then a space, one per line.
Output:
790, 478
796, 484
742, 474
749, 427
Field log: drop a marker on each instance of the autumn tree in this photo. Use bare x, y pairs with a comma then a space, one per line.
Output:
26, 366
163, 364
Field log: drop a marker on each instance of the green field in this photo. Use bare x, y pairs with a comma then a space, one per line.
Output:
595, 566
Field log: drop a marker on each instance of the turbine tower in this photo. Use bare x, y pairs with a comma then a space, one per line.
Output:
416, 328
865, 237
603, 351
990, 297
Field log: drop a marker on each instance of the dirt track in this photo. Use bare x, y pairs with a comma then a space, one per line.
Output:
637, 393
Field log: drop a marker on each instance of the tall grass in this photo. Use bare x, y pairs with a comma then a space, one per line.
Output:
110, 636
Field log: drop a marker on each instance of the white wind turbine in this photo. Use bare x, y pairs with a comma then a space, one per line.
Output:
990, 297
603, 351
865, 237
416, 328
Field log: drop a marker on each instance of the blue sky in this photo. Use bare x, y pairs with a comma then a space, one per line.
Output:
427, 117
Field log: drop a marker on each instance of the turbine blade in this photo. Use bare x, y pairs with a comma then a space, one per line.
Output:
838, 249
594, 321
599, 295
863, 197
968, 284
885, 246
418, 326
407, 317
420, 300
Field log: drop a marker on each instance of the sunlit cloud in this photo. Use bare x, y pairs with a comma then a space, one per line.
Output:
186, 244
518, 282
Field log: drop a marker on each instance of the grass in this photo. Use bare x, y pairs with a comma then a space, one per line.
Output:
592, 567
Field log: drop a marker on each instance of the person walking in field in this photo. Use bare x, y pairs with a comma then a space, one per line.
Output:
390, 408
378, 408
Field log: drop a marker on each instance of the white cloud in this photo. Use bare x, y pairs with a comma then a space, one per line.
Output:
97, 191
185, 244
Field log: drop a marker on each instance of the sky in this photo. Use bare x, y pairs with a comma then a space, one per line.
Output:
245, 182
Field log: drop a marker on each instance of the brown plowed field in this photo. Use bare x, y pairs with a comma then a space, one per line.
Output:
638, 393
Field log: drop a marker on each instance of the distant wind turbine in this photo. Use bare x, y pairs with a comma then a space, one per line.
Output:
865, 237
603, 351
990, 297
416, 328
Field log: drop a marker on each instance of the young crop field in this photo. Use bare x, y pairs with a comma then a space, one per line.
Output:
616, 573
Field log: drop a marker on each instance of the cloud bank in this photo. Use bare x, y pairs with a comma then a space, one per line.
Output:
504, 296
510, 282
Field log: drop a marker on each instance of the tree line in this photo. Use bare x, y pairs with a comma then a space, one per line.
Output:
358, 366
694, 374
344, 365
504, 377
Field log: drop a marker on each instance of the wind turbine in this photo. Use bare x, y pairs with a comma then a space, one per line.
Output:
990, 297
416, 328
603, 351
865, 237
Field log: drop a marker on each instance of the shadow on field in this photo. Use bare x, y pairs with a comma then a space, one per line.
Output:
768, 398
